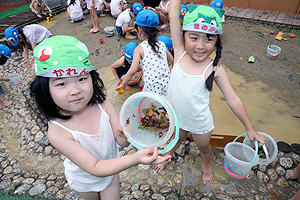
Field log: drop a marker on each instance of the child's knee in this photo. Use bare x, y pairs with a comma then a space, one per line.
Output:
205, 149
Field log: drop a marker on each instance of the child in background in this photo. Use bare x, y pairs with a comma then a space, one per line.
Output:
217, 4
84, 125
168, 42
36, 4
123, 64
101, 8
152, 54
92, 5
192, 79
5, 54
183, 10
33, 33
75, 10
124, 22
117, 7
163, 13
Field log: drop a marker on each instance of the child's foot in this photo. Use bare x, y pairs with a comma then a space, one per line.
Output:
207, 174
164, 26
72, 21
94, 30
102, 15
161, 166
43, 13
39, 16
127, 87
83, 17
293, 174
5, 104
130, 37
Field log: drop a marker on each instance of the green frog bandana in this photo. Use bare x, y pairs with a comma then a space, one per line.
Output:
62, 56
203, 19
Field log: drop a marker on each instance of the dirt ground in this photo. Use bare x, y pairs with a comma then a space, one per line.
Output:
241, 39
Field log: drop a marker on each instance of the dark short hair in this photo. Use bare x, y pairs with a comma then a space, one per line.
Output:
3, 59
39, 90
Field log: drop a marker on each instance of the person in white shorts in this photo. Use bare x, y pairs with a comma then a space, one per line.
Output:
75, 10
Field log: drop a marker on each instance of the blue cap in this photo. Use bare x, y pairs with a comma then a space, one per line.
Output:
183, 10
167, 40
147, 18
4, 50
216, 4
137, 7
12, 35
129, 49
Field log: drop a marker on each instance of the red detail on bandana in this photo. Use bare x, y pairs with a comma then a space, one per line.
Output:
58, 72
44, 57
69, 71
196, 26
84, 71
204, 27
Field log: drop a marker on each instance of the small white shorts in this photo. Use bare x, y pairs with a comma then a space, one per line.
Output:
89, 2
77, 16
204, 132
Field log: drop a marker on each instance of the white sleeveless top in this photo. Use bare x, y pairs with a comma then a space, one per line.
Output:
190, 98
102, 145
166, 7
156, 71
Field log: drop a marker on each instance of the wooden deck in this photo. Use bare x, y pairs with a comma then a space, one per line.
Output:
272, 17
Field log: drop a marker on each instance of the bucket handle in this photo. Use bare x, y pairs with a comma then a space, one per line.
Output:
256, 147
176, 138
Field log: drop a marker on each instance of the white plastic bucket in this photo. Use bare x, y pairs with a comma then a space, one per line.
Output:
273, 51
130, 120
239, 158
15, 79
271, 148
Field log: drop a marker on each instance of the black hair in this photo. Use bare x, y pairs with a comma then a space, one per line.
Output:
72, 2
126, 63
152, 33
210, 79
3, 59
23, 43
39, 90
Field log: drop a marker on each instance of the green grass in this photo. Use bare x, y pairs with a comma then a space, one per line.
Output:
14, 11
18, 197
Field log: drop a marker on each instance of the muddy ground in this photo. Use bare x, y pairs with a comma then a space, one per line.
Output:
241, 39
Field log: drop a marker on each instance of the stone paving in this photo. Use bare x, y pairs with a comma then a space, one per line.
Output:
30, 165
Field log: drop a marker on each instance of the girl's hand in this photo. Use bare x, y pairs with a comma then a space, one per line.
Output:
157, 8
150, 156
118, 82
254, 135
4, 79
120, 86
27, 64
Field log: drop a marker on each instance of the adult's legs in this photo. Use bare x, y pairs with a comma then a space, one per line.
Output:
95, 21
203, 143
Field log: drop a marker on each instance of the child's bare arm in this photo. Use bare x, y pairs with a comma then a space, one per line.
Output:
64, 142
236, 104
48, 8
170, 58
175, 28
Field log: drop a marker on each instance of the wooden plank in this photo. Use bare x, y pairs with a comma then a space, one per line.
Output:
231, 10
236, 11
296, 20
257, 15
272, 16
220, 140
288, 19
250, 13
265, 15
280, 17
243, 13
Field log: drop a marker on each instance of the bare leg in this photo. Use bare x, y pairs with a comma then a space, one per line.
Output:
95, 21
102, 9
203, 143
112, 192
295, 173
165, 20
182, 137
90, 195
5, 104
36, 7
42, 11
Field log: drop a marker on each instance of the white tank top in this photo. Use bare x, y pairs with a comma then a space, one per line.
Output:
102, 145
190, 98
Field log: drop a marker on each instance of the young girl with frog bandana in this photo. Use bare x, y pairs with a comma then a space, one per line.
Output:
84, 125
192, 78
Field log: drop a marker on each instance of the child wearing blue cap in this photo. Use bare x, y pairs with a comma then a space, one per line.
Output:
5, 53
192, 79
124, 22
34, 34
217, 4
83, 124
168, 42
123, 64
152, 54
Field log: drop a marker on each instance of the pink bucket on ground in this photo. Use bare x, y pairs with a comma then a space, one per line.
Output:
15, 79
273, 51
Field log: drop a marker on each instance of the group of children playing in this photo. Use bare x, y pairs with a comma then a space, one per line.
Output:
84, 125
